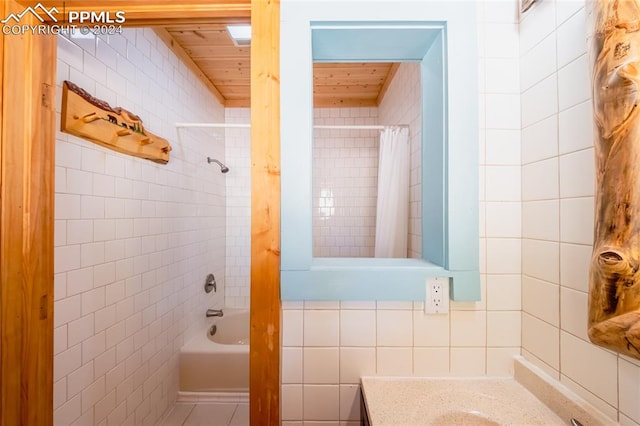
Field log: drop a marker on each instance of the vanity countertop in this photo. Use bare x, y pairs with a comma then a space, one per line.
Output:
396, 401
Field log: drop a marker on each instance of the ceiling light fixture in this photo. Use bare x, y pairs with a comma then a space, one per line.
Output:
240, 34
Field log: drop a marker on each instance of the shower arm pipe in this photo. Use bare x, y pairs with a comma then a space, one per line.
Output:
319, 126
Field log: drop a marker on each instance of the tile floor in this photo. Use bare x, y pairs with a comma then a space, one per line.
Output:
203, 414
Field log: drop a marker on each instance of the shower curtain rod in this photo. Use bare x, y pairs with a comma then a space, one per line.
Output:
335, 126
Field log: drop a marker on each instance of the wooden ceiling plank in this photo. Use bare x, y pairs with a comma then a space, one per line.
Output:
346, 90
235, 92
239, 81
339, 102
351, 67
180, 53
197, 38
220, 52
387, 81
237, 103
348, 81
225, 63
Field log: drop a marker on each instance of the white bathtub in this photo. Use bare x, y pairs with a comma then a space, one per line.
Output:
219, 363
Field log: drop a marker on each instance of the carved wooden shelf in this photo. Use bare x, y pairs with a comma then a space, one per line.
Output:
115, 128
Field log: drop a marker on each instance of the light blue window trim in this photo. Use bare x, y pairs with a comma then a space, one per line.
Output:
450, 146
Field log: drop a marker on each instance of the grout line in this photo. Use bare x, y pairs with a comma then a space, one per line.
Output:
193, 406
235, 410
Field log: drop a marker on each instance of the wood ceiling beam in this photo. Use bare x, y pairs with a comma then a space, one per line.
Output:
155, 12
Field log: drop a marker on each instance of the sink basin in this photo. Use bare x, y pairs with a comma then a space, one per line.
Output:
464, 419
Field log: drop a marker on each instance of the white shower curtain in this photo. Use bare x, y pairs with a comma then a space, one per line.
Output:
392, 213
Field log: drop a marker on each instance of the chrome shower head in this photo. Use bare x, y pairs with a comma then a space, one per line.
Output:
223, 168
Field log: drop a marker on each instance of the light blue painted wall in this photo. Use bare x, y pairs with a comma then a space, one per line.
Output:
381, 279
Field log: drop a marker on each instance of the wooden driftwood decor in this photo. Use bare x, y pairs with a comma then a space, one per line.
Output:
115, 128
614, 287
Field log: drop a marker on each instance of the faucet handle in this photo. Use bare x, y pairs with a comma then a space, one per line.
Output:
214, 313
210, 284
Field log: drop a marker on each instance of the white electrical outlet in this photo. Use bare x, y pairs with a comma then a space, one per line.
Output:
437, 292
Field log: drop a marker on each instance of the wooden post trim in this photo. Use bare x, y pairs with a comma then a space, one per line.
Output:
26, 227
265, 213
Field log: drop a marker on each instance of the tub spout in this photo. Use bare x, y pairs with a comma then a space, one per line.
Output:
214, 313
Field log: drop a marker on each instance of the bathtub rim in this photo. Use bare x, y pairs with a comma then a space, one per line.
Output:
201, 343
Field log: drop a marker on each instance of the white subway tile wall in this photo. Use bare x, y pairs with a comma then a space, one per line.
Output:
345, 183
557, 210
238, 195
134, 239
397, 338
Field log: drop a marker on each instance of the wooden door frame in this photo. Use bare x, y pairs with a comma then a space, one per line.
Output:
27, 163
